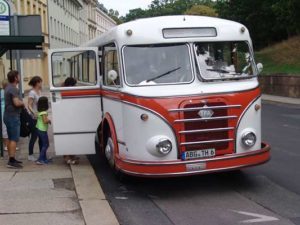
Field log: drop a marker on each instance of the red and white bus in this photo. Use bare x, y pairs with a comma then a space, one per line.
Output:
165, 96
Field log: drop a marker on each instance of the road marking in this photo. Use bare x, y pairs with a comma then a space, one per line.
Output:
121, 198
259, 218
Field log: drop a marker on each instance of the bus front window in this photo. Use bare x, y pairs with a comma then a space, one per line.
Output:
224, 60
157, 64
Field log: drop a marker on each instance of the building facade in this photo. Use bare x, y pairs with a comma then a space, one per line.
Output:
38, 65
103, 21
87, 21
65, 23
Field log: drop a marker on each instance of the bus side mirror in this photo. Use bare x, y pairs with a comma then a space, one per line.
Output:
259, 67
112, 76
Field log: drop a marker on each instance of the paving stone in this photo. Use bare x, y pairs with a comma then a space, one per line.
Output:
42, 175
43, 219
86, 182
42, 194
6, 176
14, 185
36, 205
98, 212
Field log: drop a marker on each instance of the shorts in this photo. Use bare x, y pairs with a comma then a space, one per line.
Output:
13, 124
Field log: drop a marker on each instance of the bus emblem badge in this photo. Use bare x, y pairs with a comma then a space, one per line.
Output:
205, 113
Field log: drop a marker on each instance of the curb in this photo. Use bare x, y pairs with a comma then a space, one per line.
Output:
95, 207
280, 99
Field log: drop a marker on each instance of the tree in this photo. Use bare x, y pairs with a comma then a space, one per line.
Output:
135, 14
102, 7
166, 7
288, 15
201, 10
114, 14
258, 16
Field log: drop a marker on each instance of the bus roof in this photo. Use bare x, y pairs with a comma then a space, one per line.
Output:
150, 31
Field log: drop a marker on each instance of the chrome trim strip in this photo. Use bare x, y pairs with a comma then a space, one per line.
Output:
266, 148
192, 172
206, 130
184, 95
74, 133
205, 119
121, 142
208, 107
81, 96
206, 142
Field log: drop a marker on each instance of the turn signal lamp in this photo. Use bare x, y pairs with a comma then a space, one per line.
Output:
144, 117
129, 32
257, 107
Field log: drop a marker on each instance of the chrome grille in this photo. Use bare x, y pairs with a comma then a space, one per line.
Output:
201, 133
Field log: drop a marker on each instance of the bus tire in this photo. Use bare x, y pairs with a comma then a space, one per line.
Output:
97, 147
109, 151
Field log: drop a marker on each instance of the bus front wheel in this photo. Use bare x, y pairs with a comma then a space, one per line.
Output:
109, 152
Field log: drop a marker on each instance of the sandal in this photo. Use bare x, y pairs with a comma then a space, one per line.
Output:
74, 162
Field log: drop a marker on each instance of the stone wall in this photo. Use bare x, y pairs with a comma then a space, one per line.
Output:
281, 85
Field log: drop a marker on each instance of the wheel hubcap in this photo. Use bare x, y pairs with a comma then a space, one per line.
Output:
109, 152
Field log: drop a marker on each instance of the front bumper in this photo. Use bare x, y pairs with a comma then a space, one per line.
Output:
192, 167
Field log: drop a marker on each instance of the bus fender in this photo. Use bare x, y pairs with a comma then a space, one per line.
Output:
108, 126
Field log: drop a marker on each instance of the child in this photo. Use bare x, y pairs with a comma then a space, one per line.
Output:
42, 128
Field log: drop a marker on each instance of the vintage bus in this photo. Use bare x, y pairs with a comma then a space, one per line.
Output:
165, 96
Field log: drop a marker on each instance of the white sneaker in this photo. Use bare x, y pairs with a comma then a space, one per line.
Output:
31, 158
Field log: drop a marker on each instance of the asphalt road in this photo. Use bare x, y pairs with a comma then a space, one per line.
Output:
269, 193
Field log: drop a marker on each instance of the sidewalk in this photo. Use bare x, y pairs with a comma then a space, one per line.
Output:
280, 99
56, 194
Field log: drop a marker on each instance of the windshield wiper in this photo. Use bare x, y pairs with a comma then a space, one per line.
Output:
164, 74
218, 70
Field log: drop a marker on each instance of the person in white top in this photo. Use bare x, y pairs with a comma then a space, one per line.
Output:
35, 93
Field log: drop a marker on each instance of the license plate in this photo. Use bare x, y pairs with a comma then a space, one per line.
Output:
196, 154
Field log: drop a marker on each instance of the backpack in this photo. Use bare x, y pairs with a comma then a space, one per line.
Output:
26, 123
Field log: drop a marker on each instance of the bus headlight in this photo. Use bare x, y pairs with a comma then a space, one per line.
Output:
249, 139
164, 146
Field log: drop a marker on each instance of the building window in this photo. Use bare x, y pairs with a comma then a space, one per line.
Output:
51, 26
45, 20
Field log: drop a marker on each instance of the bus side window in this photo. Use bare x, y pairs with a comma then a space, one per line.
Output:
80, 65
111, 67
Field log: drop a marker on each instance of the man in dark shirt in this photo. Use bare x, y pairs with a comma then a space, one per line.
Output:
13, 106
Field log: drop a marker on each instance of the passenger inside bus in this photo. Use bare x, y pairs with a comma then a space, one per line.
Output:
223, 60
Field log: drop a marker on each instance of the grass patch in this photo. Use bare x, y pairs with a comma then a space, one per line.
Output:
283, 57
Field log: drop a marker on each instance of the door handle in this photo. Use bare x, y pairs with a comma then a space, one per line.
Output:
56, 96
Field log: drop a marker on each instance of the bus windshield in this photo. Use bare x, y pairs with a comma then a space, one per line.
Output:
157, 64
224, 60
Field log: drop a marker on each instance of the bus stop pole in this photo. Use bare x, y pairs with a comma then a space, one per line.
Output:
18, 58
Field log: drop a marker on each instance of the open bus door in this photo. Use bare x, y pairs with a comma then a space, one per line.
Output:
76, 110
